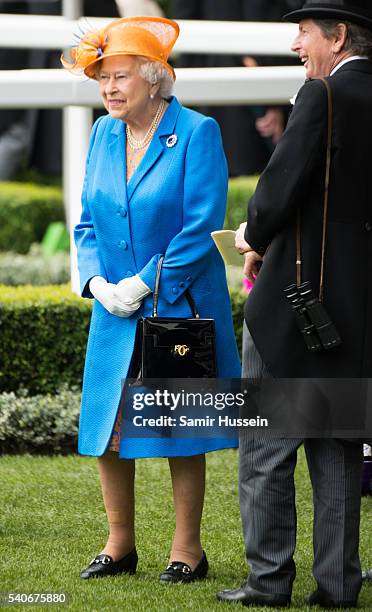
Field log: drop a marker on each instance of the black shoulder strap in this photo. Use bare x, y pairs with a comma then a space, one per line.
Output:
325, 201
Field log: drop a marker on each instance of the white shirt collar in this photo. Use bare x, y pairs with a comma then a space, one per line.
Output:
345, 61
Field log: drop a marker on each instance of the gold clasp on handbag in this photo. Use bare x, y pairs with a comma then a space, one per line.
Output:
181, 349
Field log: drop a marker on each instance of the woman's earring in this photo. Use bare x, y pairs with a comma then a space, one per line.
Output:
152, 96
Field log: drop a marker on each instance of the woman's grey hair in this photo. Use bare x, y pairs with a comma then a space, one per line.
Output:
153, 73
358, 41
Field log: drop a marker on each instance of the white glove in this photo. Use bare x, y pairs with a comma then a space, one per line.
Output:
131, 290
104, 292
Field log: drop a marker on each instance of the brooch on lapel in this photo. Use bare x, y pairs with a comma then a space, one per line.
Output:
171, 141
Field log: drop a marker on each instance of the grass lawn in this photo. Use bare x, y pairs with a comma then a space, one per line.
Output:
53, 522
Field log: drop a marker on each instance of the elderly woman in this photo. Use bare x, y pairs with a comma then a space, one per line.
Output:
155, 185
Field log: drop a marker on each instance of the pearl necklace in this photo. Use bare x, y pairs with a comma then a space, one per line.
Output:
135, 144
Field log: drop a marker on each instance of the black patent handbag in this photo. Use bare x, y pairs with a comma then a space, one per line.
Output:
170, 347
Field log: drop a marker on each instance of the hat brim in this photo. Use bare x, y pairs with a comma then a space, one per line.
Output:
90, 71
327, 13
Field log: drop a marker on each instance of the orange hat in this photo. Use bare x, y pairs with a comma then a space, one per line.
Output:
151, 37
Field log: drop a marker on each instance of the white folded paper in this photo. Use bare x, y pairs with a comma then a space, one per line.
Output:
225, 242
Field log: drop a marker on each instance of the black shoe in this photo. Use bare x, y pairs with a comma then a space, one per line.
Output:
319, 598
104, 565
248, 596
367, 575
177, 571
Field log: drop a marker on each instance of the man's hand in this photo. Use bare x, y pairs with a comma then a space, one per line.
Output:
249, 62
240, 244
252, 265
271, 125
104, 292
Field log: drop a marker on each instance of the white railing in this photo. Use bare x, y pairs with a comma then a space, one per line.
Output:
221, 37
59, 89
194, 86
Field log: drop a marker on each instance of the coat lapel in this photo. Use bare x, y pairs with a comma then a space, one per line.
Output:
156, 147
118, 162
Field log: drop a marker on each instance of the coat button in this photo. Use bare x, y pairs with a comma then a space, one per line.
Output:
123, 245
175, 290
368, 226
189, 279
181, 284
123, 212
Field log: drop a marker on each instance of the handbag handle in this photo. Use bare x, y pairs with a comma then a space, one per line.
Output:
325, 202
156, 293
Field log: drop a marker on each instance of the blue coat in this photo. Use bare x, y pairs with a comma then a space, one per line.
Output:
176, 197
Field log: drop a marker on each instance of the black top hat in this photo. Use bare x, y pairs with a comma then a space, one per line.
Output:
356, 11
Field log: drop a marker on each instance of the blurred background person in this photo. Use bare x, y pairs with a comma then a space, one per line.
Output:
33, 137
131, 8
249, 133
14, 123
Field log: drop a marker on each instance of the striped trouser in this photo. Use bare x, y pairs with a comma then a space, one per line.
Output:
267, 503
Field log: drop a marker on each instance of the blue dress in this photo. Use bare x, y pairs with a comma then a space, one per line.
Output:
175, 198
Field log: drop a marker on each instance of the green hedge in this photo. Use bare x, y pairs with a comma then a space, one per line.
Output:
41, 424
238, 300
241, 190
25, 212
34, 268
27, 209
43, 335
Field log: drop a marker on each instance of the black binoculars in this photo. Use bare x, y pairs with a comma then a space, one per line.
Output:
317, 329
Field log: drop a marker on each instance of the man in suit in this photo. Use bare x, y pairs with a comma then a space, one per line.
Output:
334, 41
